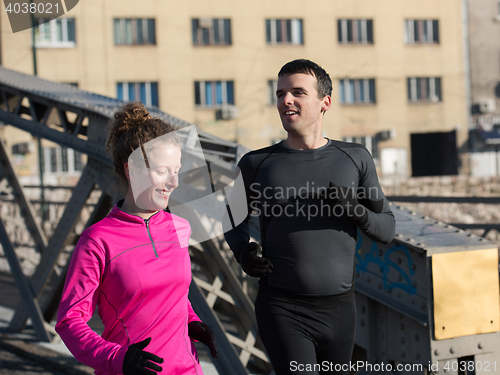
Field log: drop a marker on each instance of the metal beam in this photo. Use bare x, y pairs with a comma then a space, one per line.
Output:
420, 199
49, 257
27, 210
27, 294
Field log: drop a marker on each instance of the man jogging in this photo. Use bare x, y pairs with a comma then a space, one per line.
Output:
311, 195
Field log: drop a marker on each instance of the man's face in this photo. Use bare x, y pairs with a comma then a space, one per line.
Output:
300, 108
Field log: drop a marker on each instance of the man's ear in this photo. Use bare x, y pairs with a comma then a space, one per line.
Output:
326, 103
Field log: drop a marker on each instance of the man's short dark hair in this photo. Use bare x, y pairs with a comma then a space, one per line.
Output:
308, 67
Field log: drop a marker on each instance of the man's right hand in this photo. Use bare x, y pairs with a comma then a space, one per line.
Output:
253, 264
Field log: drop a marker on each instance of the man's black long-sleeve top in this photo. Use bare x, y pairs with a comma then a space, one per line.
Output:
310, 244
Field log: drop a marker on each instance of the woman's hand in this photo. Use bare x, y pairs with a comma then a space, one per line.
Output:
138, 362
202, 332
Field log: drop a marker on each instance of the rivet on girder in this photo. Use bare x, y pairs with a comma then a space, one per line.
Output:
382, 335
452, 350
402, 327
403, 354
362, 323
417, 356
436, 352
402, 340
480, 346
416, 338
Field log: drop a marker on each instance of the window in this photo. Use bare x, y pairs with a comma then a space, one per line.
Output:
284, 31
58, 33
355, 31
368, 141
421, 31
211, 31
144, 92
58, 160
64, 159
424, 89
78, 164
272, 87
357, 91
213, 93
134, 31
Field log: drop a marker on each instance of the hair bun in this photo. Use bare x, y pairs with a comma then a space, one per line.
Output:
133, 114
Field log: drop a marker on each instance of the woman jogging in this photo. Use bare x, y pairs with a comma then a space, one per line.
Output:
134, 264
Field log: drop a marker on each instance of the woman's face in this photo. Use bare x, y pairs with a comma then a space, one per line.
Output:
153, 184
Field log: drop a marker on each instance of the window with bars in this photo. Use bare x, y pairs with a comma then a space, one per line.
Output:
213, 93
211, 31
421, 31
272, 87
144, 92
134, 31
57, 160
422, 89
368, 141
357, 91
58, 33
284, 31
355, 31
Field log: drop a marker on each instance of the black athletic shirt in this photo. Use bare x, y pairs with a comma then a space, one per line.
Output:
310, 245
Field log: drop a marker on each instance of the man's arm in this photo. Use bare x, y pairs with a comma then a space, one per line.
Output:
380, 224
237, 237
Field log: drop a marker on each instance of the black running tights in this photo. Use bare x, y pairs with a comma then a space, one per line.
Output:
301, 339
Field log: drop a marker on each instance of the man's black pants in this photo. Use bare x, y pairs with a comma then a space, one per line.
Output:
306, 334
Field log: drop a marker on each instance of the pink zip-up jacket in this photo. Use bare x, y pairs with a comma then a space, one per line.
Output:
138, 273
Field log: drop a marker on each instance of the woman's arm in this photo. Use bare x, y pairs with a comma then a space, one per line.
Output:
78, 302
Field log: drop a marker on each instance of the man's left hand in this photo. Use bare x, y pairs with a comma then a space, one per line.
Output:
202, 332
346, 198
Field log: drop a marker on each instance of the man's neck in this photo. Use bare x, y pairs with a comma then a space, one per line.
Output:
304, 143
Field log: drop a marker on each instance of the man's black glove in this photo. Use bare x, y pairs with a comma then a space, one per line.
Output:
346, 199
138, 362
253, 264
202, 332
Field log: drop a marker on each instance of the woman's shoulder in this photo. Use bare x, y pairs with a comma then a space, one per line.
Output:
181, 226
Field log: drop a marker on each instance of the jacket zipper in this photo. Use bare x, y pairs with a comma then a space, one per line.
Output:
151, 238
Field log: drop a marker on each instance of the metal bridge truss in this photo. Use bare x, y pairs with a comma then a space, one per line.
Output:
76, 119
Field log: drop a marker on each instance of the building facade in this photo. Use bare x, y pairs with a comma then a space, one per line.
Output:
397, 67
484, 26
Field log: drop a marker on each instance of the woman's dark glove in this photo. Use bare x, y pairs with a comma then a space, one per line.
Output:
202, 332
138, 362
